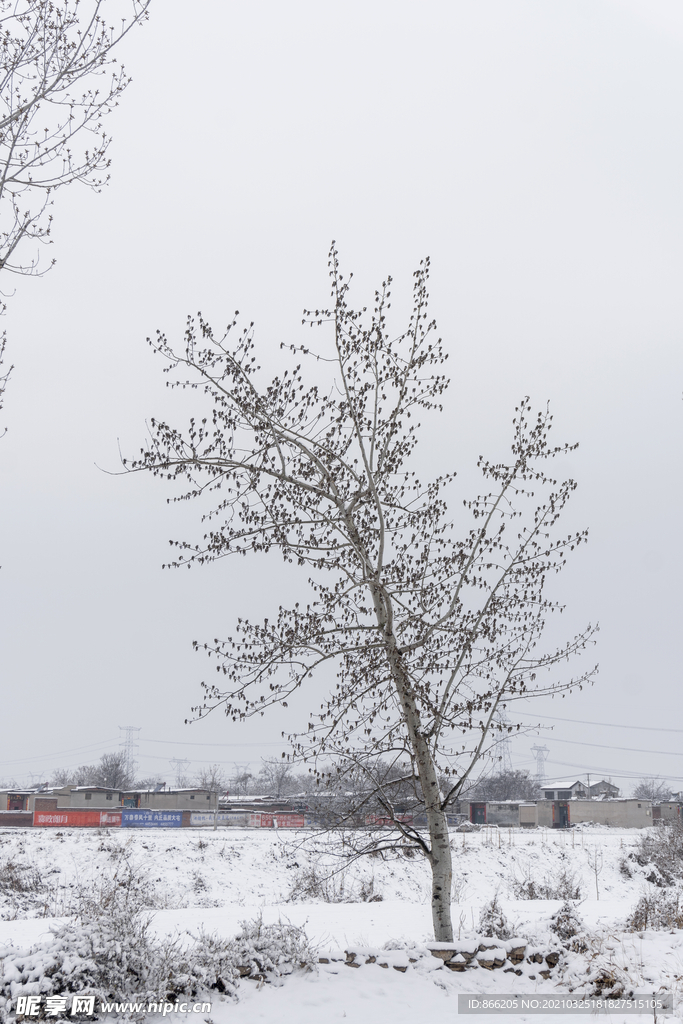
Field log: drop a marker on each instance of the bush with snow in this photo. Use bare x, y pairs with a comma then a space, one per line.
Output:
660, 852
566, 923
312, 883
564, 886
658, 911
109, 951
493, 922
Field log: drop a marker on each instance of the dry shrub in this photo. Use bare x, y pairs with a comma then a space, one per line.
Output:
566, 923
658, 911
564, 887
19, 878
660, 852
312, 884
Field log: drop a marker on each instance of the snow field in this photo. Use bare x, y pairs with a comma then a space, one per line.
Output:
201, 880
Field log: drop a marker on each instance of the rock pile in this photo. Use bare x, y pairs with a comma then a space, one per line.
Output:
511, 956
508, 955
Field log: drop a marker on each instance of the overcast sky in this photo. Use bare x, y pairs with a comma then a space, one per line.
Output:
535, 152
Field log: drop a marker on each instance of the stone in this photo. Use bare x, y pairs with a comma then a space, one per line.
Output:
490, 964
443, 954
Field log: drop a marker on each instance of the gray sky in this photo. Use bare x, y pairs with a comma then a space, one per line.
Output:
535, 152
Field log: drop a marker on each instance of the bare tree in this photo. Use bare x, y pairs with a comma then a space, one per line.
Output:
510, 785
213, 778
652, 788
112, 771
59, 79
277, 777
431, 633
4, 377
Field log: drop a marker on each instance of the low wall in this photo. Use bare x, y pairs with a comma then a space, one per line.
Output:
130, 818
63, 817
16, 819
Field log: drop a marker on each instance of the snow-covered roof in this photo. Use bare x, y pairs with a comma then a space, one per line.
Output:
95, 789
35, 790
165, 792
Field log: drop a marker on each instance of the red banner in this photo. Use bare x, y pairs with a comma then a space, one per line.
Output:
77, 819
263, 819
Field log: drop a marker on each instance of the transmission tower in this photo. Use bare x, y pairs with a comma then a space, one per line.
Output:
129, 744
541, 755
502, 747
179, 766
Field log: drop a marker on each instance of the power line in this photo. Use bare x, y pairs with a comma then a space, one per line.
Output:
58, 753
106, 745
205, 743
608, 725
607, 746
621, 773
160, 757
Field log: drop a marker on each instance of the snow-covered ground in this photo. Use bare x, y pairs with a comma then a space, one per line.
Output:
210, 881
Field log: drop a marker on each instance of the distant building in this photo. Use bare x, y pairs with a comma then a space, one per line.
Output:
620, 813
604, 789
18, 799
106, 799
580, 791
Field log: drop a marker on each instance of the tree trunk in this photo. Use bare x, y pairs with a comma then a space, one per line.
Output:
440, 846
440, 859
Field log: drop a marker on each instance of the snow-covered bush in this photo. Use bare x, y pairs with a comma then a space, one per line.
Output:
493, 922
19, 878
271, 949
23, 890
261, 952
658, 911
84, 957
660, 852
566, 923
564, 886
313, 884
109, 951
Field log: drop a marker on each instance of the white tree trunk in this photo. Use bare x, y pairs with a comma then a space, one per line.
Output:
440, 847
